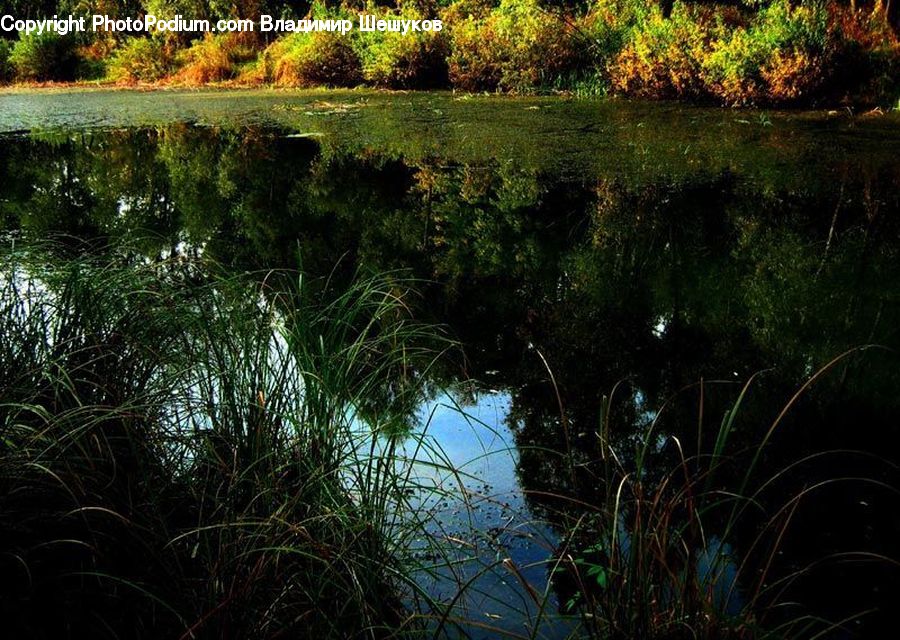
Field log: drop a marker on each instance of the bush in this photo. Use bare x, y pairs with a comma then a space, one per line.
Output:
417, 60
141, 60
869, 62
608, 24
313, 59
6, 70
44, 57
515, 47
783, 55
663, 55
213, 59
93, 58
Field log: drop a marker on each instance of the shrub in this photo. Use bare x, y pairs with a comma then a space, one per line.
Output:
141, 60
213, 59
515, 47
415, 60
6, 70
93, 57
662, 56
607, 25
869, 63
782, 56
47, 56
311, 59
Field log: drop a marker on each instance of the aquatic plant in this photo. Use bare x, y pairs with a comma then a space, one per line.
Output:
188, 454
687, 539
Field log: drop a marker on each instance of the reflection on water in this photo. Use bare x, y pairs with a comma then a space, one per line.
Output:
589, 257
482, 515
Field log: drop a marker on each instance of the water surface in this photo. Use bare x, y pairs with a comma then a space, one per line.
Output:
573, 247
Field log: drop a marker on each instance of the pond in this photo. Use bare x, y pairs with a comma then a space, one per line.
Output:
608, 268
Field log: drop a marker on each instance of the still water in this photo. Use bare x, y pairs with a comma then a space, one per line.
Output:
578, 250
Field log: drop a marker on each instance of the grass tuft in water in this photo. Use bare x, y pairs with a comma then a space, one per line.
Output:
189, 455
690, 540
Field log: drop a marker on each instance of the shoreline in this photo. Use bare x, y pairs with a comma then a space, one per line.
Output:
861, 109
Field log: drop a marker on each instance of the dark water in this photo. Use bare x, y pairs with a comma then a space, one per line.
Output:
576, 250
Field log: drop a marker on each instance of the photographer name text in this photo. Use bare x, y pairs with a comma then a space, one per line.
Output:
266, 24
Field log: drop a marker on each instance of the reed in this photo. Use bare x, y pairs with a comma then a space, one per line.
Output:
684, 539
188, 454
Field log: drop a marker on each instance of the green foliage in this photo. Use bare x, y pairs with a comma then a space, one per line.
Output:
185, 454
6, 69
782, 53
781, 56
141, 60
516, 47
314, 59
213, 59
417, 60
736, 53
607, 24
44, 57
663, 55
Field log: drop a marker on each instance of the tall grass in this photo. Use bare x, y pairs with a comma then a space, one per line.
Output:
682, 533
681, 539
188, 454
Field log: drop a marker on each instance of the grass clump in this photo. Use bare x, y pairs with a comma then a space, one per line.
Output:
184, 454
214, 59
687, 539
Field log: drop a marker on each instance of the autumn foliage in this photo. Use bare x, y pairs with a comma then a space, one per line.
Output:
753, 52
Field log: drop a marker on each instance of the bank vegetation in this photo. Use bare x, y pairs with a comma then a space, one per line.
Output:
736, 53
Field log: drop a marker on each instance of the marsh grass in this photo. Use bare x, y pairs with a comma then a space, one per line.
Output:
667, 535
190, 454
676, 539
187, 454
